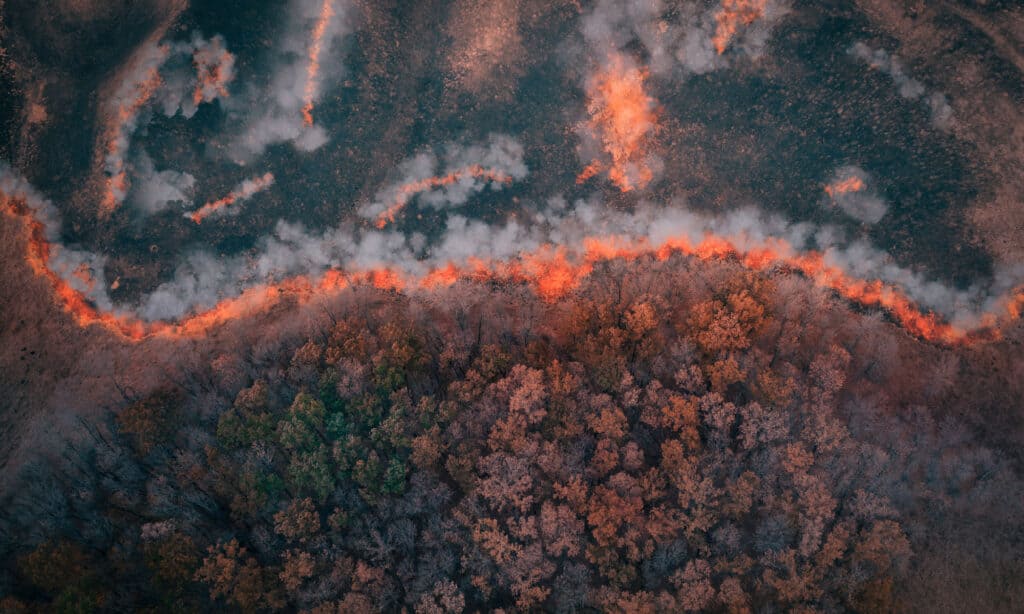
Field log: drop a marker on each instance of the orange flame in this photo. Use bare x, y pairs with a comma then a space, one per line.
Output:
117, 187
622, 118
407, 191
313, 68
246, 190
845, 186
589, 172
550, 271
733, 14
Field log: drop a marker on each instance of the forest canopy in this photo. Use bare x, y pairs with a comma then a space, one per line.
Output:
675, 436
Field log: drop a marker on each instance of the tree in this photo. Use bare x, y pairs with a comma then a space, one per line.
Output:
445, 598
296, 567
299, 521
561, 530
311, 472
150, 421
427, 448
173, 560
303, 426
65, 572
235, 575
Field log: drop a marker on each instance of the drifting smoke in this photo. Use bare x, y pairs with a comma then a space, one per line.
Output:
463, 172
849, 191
909, 88
176, 77
685, 37
14, 187
734, 16
284, 111
153, 190
215, 69
195, 72
244, 191
468, 176
553, 251
621, 125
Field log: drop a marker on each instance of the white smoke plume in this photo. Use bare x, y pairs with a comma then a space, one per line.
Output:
136, 88
278, 111
195, 72
14, 186
685, 37
851, 190
293, 250
447, 181
908, 87
154, 190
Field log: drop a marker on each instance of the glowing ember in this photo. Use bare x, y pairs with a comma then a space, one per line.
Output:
845, 186
247, 189
313, 68
589, 172
622, 120
407, 191
733, 14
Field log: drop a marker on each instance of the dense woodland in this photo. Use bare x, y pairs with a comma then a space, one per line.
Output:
674, 436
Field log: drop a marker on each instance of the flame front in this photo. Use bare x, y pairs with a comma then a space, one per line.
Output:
553, 272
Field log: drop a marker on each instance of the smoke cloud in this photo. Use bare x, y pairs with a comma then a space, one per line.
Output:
153, 190
136, 88
293, 250
79, 269
684, 38
850, 190
195, 72
553, 247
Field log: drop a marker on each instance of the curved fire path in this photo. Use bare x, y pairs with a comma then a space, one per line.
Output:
552, 271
